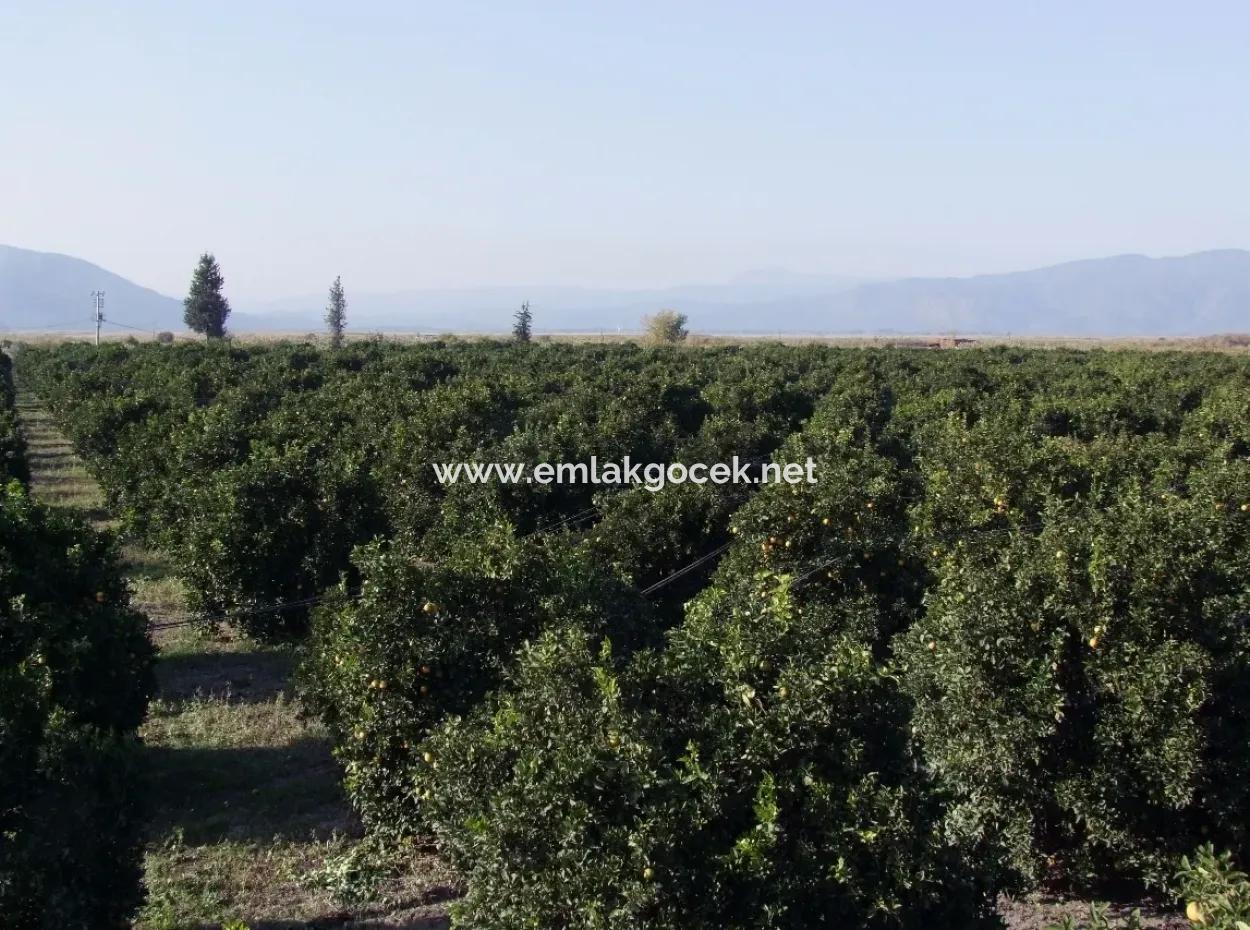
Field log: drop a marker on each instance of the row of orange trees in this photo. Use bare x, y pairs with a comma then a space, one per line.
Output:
75, 669
12, 446
1003, 640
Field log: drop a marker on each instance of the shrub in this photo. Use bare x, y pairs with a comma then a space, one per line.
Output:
1217, 894
12, 444
1082, 670
665, 327
75, 675
1100, 919
422, 641
756, 774
165, 337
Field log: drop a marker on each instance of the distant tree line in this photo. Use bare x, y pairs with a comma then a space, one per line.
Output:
206, 310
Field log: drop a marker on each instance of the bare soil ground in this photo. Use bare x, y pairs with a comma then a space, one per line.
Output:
1042, 912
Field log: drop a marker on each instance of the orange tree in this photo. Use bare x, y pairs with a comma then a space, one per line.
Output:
423, 640
1081, 671
757, 771
12, 445
75, 674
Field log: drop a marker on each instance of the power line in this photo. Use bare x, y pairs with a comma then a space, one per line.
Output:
189, 619
138, 329
63, 325
686, 569
580, 516
966, 533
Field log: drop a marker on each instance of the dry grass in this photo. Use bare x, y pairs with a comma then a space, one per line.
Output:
196, 886
57, 476
1235, 343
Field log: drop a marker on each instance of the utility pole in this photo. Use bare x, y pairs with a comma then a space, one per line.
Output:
99, 314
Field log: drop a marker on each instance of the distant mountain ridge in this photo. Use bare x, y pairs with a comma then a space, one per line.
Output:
1125, 295
46, 290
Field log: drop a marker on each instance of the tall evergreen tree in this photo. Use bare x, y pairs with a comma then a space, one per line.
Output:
336, 312
521, 323
205, 307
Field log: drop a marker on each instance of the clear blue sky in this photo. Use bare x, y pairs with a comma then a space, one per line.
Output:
415, 144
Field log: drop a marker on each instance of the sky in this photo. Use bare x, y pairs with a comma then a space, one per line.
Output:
413, 145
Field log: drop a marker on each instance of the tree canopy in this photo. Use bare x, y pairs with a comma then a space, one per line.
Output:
206, 308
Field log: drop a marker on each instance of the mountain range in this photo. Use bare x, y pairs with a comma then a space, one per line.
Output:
45, 290
1125, 295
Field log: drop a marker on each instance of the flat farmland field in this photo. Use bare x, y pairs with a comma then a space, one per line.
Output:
982, 659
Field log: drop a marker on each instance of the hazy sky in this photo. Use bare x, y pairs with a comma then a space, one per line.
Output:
414, 144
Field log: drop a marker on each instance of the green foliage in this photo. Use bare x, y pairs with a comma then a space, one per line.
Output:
425, 640
1082, 670
258, 470
1006, 627
1217, 894
521, 323
75, 675
12, 444
1214, 892
336, 313
1101, 919
205, 308
756, 774
354, 876
665, 327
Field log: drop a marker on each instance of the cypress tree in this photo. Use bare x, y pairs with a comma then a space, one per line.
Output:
521, 323
336, 313
205, 307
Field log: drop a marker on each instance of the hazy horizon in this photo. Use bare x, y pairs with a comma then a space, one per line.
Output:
422, 146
